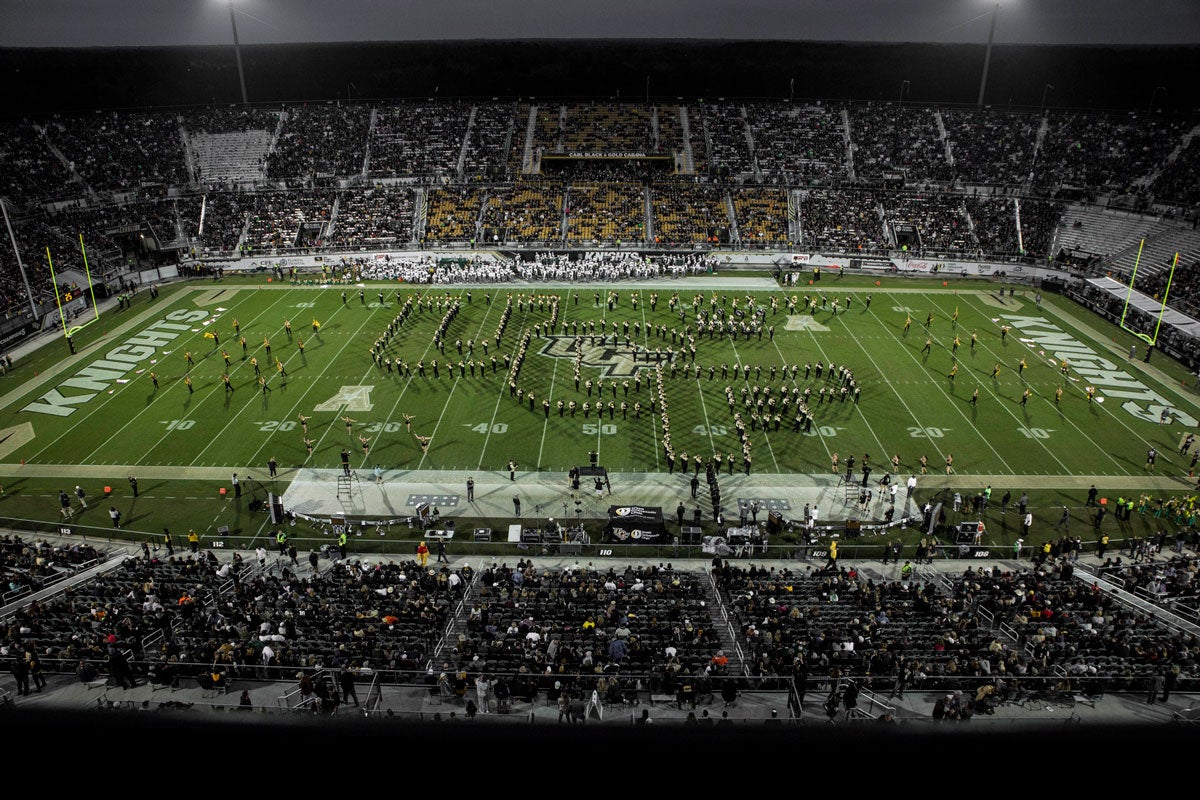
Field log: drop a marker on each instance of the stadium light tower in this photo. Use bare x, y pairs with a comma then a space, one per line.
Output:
987, 55
237, 49
1153, 95
1049, 88
17, 254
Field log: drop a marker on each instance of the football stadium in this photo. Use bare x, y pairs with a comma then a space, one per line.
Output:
600, 411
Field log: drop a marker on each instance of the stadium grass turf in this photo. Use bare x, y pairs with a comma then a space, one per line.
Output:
909, 406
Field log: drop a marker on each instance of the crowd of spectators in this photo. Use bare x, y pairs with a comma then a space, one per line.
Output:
230, 119
453, 214
224, 220
995, 222
547, 127
669, 132
1179, 180
523, 212
897, 139
27, 566
690, 213
606, 213
1064, 623
192, 616
121, 151
288, 219
1105, 151
1169, 583
373, 218
938, 219
545, 630
726, 139
578, 621
991, 147
29, 171
494, 125
419, 139
1039, 222
603, 127
762, 216
320, 141
845, 222
60, 234
802, 145
995, 225
1042, 623
170, 219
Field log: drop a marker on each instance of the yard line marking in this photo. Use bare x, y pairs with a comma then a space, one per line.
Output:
704, 408
87, 417
247, 404
817, 342
89, 457
1061, 415
1079, 328
953, 404
504, 385
437, 424
407, 382
771, 450
553, 374
646, 342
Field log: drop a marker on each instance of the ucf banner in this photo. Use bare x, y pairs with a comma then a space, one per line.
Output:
635, 525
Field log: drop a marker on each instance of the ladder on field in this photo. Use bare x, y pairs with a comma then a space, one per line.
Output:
852, 489
346, 484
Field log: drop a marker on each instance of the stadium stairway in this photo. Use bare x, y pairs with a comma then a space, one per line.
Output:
945, 139
689, 161
725, 629
366, 166
462, 151
849, 145
527, 160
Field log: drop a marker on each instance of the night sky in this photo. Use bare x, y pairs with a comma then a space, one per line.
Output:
87, 23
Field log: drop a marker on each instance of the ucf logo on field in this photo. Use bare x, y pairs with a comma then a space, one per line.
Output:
613, 360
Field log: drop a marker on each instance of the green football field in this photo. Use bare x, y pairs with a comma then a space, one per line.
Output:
100, 407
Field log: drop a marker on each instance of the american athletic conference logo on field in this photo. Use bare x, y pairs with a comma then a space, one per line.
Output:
613, 360
625, 511
621, 535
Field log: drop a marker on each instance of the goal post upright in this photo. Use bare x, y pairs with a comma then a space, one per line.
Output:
1150, 340
57, 296
1132, 278
91, 285
1166, 295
